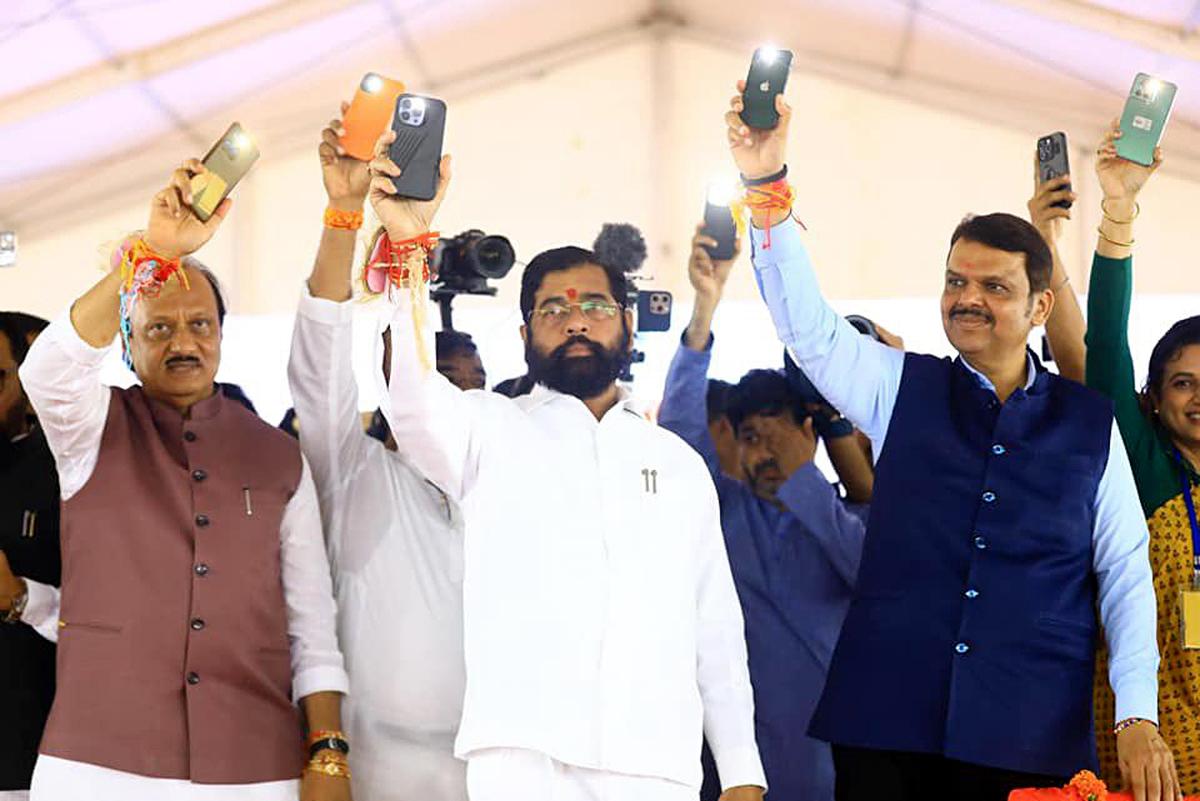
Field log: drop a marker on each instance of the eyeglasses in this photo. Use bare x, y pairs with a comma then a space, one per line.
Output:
557, 313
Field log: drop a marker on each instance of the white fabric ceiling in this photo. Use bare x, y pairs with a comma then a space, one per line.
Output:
95, 95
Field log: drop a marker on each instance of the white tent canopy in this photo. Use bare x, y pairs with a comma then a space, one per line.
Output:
564, 115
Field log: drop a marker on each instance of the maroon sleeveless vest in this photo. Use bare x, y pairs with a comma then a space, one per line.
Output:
173, 656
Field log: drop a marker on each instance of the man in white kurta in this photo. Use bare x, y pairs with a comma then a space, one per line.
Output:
603, 633
395, 547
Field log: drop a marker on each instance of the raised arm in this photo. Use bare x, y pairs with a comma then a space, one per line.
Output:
1110, 295
435, 424
859, 376
320, 370
1065, 328
61, 374
684, 411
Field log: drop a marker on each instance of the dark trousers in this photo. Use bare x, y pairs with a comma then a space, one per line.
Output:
867, 775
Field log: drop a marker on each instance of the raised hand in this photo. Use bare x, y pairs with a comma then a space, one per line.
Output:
1045, 216
403, 217
708, 277
792, 444
1121, 179
757, 153
174, 230
347, 179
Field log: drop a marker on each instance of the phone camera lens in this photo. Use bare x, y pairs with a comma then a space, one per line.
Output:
404, 115
405, 103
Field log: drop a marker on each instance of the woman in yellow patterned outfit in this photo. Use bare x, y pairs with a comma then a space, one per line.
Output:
1161, 429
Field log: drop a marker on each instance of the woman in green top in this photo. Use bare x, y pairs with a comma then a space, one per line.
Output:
1160, 426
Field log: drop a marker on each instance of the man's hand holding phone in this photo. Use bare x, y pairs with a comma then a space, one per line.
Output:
403, 217
708, 277
346, 178
757, 153
174, 230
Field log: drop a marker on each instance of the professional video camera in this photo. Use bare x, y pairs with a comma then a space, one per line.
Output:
621, 245
464, 265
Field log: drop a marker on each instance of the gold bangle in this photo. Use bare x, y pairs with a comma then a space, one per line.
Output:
1112, 241
1137, 209
338, 770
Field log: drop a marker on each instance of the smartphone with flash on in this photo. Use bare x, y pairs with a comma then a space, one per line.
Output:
719, 223
1053, 161
227, 163
1145, 117
369, 115
420, 124
766, 80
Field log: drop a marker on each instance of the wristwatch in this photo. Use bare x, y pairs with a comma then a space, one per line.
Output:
19, 601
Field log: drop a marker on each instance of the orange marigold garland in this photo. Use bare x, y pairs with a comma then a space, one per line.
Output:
402, 265
1088, 787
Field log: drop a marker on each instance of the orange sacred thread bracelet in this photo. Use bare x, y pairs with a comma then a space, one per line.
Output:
344, 220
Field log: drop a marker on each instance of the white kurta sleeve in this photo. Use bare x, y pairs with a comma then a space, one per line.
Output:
61, 376
317, 664
41, 610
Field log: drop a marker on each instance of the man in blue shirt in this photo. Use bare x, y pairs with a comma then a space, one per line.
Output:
792, 544
1004, 513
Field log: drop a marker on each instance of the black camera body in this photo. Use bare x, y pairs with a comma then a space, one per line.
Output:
465, 263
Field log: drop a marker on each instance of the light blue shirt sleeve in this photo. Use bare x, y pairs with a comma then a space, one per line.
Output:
859, 376
1121, 559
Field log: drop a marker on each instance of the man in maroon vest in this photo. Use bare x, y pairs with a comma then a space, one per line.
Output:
196, 599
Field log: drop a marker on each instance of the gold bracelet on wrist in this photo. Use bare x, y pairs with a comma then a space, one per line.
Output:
1137, 209
1112, 241
337, 768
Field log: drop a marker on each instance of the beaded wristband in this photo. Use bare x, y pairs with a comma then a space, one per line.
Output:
1129, 723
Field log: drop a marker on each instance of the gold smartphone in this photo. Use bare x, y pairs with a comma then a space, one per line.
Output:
227, 163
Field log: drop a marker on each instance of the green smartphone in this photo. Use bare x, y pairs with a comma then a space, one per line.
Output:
228, 162
1145, 118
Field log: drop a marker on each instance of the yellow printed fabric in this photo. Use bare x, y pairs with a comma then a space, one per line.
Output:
1179, 670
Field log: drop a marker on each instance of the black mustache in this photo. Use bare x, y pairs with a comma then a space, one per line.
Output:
578, 339
980, 313
757, 471
182, 359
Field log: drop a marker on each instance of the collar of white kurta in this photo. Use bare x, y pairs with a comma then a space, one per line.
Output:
542, 394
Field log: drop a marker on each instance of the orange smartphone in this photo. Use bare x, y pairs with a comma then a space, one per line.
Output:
369, 115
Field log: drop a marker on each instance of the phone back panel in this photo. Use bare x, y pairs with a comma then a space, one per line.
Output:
1053, 160
417, 150
1145, 118
654, 310
227, 162
369, 115
766, 79
719, 224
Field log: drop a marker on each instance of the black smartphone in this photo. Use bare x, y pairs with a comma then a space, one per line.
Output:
767, 78
719, 224
654, 310
227, 163
420, 124
1052, 161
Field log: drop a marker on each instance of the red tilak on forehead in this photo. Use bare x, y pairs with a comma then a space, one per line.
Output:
572, 294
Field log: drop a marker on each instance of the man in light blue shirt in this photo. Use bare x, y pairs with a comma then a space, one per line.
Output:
1004, 513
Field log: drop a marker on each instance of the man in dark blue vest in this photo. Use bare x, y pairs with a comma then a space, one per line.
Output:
1004, 515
